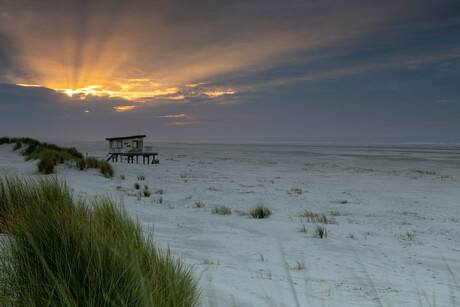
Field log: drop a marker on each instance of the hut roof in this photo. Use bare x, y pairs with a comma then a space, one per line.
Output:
125, 137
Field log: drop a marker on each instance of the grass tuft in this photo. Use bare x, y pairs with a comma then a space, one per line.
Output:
317, 218
222, 210
303, 229
296, 191
260, 212
320, 232
199, 204
61, 253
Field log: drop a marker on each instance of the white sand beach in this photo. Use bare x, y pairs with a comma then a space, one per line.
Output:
394, 238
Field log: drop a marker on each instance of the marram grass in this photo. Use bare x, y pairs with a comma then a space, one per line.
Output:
50, 155
61, 253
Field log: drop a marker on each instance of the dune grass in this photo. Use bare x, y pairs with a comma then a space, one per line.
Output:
62, 253
50, 155
221, 210
317, 218
260, 212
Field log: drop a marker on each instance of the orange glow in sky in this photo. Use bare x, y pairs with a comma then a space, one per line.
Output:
126, 92
219, 93
173, 116
124, 108
95, 54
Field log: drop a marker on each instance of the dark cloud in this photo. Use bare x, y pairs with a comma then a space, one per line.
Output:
260, 68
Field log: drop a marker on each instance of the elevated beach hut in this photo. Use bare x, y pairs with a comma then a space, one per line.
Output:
130, 147
126, 144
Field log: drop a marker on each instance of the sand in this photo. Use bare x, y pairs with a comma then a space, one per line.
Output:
394, 240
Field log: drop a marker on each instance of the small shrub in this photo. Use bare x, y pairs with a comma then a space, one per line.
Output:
122, 177
140, 178
146, 193
160, 191
160, 200
320, 232
46, 166
222, 210
260, 212
146, 187
137, 186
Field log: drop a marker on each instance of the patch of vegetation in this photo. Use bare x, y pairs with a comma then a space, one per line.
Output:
17, 146
48, 154
338, 213
46, 166
241, 212
160, 191
141, 178
317, 218
340, 201
62, 253
320, 232
296, 191
105, 168
260, 212
146, 193
122, 177
408, 237
424, 172
199, 204
299, 266
221, 210
303, 229
137, 186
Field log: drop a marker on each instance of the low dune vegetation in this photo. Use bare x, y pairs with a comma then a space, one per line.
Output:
50, 155
62, 251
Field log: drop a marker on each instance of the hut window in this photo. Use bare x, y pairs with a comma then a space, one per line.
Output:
119, 144
135, 144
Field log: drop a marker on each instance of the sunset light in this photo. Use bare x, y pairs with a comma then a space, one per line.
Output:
305, 130
124, 108
219, 93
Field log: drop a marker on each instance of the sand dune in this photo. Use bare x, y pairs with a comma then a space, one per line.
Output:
393, 231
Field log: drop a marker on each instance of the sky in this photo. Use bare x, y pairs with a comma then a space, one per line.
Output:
239, 70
